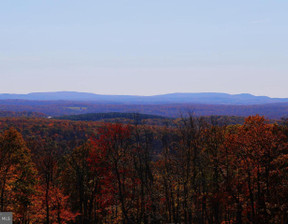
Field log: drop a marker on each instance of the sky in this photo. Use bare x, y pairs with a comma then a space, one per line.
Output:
144, 47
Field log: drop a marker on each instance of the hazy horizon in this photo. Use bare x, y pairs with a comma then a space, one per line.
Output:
144, 47
71, 91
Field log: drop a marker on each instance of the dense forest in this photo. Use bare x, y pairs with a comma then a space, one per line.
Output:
189, 170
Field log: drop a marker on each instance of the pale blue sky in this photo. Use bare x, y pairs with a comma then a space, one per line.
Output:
144, 47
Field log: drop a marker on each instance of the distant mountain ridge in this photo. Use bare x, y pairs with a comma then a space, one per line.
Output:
197, 98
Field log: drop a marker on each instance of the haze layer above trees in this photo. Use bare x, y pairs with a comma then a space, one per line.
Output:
199, 98
170, 105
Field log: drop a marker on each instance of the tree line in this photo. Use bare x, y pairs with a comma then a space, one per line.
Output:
195, 172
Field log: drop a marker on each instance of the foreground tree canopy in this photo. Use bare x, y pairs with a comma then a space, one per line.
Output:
195, 172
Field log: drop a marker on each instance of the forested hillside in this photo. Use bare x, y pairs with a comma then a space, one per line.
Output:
21, 114
60, 108
112, 115
194, 171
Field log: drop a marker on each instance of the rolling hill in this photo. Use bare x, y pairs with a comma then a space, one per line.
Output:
195, 98
169, 105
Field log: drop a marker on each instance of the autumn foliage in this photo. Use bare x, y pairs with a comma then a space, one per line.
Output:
192, 172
